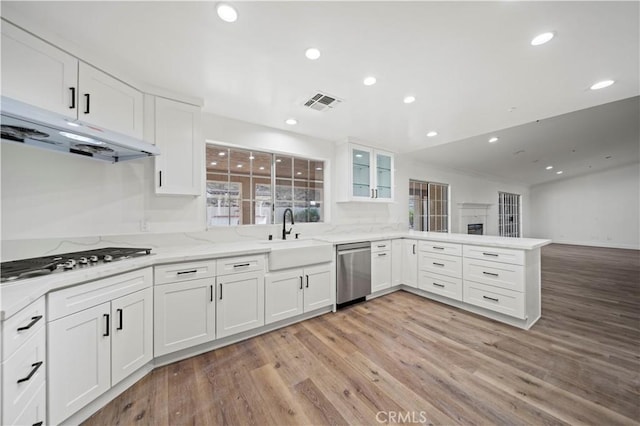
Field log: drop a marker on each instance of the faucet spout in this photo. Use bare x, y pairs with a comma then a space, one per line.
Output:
284, 223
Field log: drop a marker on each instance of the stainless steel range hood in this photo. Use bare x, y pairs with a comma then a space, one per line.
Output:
30, 125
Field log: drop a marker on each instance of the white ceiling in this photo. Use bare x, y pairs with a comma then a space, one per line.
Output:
467, 63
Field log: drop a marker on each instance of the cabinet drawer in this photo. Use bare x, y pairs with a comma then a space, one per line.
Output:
495, 254
35, 410
22, 375
177, 272
84, 296
20, 327
440, 248
494, 298
441, 264
234, 265
497, 274
377, 246
440, 284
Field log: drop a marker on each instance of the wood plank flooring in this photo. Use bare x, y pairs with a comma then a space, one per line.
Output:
405, 359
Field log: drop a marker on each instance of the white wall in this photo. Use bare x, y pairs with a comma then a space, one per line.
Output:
463, 187
599, 209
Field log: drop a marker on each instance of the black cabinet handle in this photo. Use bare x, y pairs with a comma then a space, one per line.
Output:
438, 285
31, 324
240, 265
220, 291
307, 280
438, 248
414, 249
193, 271
490, 273
35, 368
490, 254
87, 98
438, 264
300, 282
211, 297
107, 321
160, 178
37, 424
73, 98
490, 298
119, 311
382, 254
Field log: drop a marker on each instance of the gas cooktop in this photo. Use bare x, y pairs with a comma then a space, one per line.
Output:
27, 268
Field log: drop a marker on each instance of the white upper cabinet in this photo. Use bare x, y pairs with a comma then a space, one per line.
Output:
368, 174
39, 74
178, 135
109, 103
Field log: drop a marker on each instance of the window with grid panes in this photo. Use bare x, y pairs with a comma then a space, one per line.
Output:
428, 206
241, 189
508, 214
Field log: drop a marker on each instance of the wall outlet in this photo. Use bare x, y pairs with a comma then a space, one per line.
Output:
144, 225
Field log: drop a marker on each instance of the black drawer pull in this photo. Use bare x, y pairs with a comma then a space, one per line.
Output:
491, 254
414, 249
35, 368
87, 96
119, 319
438, 264
438, 248
490, 273
37, 424
490, 298
193, 271
31, 324
240, 265
382, 254
438, 285
73, 98
107, 321
381, 245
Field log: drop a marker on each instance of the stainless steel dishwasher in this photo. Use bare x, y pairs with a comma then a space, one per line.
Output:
353, 272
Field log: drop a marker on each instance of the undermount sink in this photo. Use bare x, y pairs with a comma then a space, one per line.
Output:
286, 254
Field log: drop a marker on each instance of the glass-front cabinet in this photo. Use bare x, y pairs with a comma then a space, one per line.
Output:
370, 174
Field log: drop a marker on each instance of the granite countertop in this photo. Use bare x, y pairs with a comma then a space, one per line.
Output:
14, 296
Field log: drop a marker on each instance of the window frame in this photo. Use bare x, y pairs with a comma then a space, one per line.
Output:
509, 204
428, 185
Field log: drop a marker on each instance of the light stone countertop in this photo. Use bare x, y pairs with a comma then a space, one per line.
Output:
14, 296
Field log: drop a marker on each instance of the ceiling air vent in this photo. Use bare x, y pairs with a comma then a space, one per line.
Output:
322, 102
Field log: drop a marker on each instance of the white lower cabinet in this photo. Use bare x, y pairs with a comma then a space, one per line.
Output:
410, 263
396, 261
240, 301
185, 314
296, 291
440, 284
98, 334
380, 270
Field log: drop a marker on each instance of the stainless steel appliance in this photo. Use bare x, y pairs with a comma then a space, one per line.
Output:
27, 268
353, 272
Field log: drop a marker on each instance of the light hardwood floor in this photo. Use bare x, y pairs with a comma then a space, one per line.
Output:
404, 358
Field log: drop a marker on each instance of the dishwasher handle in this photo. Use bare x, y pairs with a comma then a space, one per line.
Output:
350, 251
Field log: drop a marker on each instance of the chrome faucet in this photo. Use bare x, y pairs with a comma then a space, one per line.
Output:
284, 223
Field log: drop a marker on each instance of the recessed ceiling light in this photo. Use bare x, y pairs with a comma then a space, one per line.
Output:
432, 134
214, 163
312, 53
559, 172
221, 154
549, 167
493, 140
291, 121
602, 84
541, 39
409, 99
369, 81
226, 12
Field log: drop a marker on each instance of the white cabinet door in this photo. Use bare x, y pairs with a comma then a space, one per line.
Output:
178, 136
79, 360
132, 339
240, 303
370, 174
362, 166
184, 315
37, 73
283, 295
317, 287
380, 271
410, 263
396, 261
383, 190
109, 103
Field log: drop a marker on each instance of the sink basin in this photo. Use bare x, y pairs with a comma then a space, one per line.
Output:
297, 253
